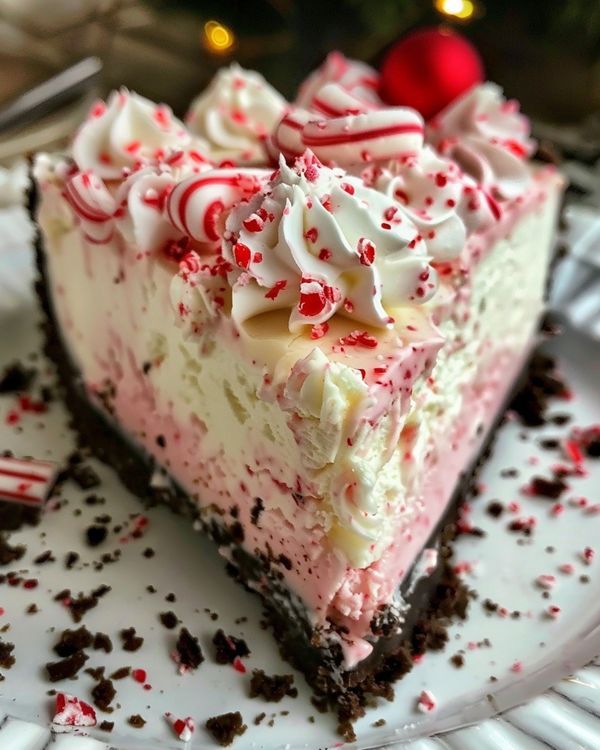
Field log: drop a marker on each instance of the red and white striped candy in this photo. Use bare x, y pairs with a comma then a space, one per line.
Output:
183, 728
196, 204
373, 136
352, 75
72, 712
91, 201
333, 100
287, 136
26, 482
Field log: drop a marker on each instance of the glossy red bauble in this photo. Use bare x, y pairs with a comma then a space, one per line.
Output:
428, 69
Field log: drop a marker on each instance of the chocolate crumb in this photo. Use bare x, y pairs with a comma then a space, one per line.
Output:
84, 476
272, 688
136, 721
65, 668
95, 535
495, 509
103, 694
106, 726
161, 441
72, 641
102, 643
550, 488
148, 552
6, 656
121, 673
549, 444
228, 647
256, 510
168, 619
560, 419
509, 473
188, 649
171, 598
457, 660
44, 558
379, 723
259, 718
490, 606
97, 673
70, 559
226, 727
9, 553
32, 609
151, 589
16, 377
131, 641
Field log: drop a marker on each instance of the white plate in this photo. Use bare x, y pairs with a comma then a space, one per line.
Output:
505, 568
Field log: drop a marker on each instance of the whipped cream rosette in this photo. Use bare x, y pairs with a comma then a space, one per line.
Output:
357, 78
488, 137
441, 201
316, 241
236, 114
127, 131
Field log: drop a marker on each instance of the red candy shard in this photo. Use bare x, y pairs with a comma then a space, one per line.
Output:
72, 712
183, 728
366, 251
242, 254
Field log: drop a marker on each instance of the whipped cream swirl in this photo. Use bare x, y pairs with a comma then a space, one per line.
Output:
316, 241
488, 137
357, 78
126, 131
443, 203
235, 115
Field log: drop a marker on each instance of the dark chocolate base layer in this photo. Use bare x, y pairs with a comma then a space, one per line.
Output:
432, 602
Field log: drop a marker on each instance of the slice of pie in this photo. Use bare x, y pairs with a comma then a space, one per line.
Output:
305, 346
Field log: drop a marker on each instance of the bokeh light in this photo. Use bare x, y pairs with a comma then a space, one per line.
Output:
463, 10
217, 38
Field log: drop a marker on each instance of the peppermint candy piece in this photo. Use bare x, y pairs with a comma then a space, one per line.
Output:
355, 77
333, 100
27, 482
373, 136
196, 205
183, 728
93, 204
287, 136
72, 712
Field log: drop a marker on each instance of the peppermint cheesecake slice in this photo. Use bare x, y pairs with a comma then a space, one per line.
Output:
309, 354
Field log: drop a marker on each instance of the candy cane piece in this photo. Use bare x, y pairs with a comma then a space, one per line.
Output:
72, 712
287, 136
373, 136
91, 201
195, 205
333, 100
26, 482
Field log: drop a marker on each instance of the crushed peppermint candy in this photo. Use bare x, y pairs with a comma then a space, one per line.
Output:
426, 702
183, 728
553, 611
546, 581
72, 712
588, 555
25, 481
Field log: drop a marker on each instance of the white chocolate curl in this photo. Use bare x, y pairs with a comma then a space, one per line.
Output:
316, 241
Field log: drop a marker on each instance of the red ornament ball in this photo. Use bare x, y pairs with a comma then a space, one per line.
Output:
429, 68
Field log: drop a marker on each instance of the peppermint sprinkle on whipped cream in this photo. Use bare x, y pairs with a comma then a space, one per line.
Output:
316, 242
488, 137
235, 114
127, 131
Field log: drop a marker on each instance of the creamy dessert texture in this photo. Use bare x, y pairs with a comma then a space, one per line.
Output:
311, 312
